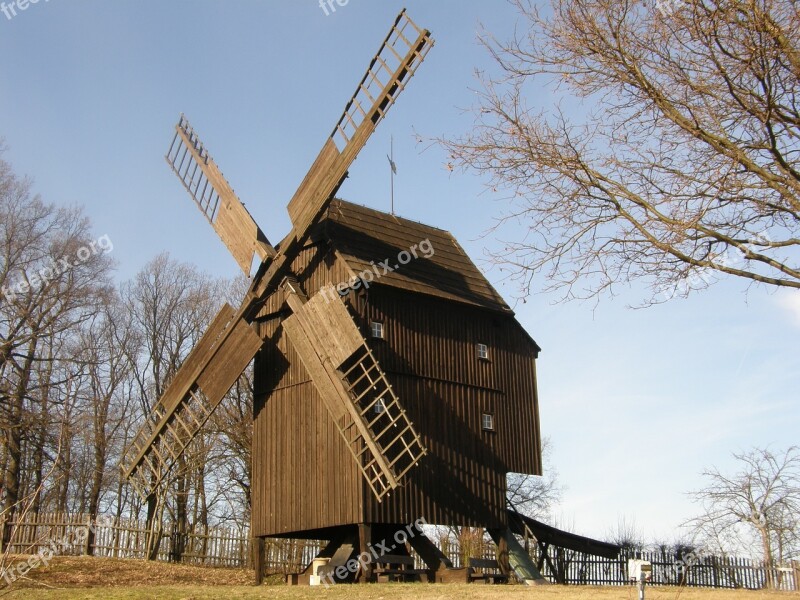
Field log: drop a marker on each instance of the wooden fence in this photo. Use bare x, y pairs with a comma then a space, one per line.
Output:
692, 570
231, 547
126, 538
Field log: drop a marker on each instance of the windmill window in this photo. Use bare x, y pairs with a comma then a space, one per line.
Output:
487, 422
380, 406
483, 351
376, 330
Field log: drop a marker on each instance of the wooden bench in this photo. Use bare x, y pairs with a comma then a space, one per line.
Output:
396, 567
485, 569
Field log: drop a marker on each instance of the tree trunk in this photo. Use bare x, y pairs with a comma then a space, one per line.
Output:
181, 525
13, 436
153, 528
769, 562
96, 486
41, 441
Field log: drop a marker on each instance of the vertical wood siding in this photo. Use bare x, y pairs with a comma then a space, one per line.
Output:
303, 475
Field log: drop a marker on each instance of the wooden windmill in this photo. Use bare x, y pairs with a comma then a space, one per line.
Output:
335, 450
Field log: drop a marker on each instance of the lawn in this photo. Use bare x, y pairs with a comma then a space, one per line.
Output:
109, 579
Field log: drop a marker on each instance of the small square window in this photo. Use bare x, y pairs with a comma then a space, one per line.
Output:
483, 351
376, 330
380, 406
487, 422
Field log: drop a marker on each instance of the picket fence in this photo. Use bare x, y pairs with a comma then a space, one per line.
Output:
693, 571
232, 547
126, 538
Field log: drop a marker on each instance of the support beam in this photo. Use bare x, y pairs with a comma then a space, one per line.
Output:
434, 558
519, 560
364, 542
502, 557
259, 550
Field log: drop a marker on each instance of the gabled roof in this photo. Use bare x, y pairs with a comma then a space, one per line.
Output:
364, 237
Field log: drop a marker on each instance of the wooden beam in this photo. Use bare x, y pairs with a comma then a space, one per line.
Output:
231, 220
259, 550
357, 123
364, 544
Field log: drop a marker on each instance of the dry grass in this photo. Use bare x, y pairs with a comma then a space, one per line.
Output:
88, 572
110, 579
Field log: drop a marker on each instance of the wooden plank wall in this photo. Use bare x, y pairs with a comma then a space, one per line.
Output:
436, 341
303, 476
429, 353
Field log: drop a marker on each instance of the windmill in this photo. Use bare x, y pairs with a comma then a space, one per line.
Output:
336, 455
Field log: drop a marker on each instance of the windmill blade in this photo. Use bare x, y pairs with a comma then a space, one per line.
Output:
215, 198
399, 56
354, 388
210, 370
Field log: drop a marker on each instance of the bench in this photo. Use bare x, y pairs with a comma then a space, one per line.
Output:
485, 569
396, 566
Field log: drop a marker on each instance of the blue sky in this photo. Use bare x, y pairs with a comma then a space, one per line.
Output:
636, 402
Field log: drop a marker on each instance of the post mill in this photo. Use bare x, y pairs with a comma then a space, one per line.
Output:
392, 382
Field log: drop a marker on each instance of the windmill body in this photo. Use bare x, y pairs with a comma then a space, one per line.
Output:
392, 382
431, 315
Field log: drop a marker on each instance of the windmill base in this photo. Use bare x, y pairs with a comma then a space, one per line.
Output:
372, 553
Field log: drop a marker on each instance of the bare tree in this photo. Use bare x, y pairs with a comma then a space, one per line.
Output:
627, 535
53, 280
105, 347
536, 495
169, 304
759, 504
680, 165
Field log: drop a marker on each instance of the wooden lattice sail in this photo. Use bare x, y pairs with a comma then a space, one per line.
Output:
355, 390
209, 371
215, 198
348, 378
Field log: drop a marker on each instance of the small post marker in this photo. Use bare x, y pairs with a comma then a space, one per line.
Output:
639, 571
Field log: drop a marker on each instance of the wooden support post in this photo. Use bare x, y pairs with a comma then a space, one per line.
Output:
796, 573
364, 541
88, 541
259, 548
502, 557
433, 557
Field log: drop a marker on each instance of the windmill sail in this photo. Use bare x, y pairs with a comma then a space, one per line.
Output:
206, 375
355, 390
399, 56
350, 381
216, 199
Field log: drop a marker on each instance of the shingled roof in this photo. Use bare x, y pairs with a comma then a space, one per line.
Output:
364, 236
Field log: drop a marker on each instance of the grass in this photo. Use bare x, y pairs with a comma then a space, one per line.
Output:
111, 579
